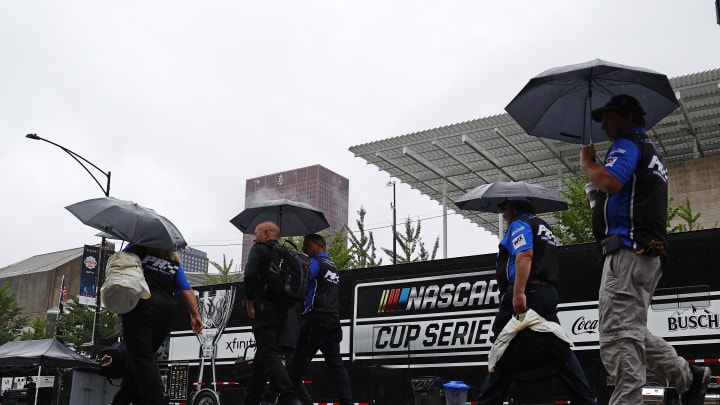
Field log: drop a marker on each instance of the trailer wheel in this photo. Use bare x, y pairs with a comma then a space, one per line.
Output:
206, 397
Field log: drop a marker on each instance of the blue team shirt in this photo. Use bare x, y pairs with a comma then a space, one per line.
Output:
518, 238
621, 161
312, 285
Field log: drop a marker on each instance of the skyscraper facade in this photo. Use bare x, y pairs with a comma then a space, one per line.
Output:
314, 185
193, 260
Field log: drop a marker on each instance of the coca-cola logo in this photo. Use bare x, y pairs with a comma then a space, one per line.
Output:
582, 325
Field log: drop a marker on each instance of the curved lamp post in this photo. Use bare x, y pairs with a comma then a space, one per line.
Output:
101, 266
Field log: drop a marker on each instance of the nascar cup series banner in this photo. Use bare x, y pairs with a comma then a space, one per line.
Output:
420, 320
446, 321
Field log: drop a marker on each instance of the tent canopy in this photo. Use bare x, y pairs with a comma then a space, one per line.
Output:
44, 353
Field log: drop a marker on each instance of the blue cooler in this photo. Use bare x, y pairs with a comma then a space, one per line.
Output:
456, 392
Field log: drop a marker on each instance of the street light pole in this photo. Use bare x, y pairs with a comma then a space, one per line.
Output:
394, 228
79, 159
103, 247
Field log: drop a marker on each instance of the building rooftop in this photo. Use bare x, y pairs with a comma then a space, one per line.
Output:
40, 263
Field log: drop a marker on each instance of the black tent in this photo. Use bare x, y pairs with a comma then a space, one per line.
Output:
44, 353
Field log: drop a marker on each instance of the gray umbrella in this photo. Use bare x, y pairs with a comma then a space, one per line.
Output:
557, 103
488, 197
129, 221
294, 218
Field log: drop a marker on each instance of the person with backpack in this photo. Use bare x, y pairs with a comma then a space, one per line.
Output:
320, 327
268, 313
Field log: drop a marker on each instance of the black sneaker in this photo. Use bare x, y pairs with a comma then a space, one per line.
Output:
695, 395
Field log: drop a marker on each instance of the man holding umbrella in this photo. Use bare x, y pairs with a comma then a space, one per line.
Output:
527, 271
629, 222
268, 317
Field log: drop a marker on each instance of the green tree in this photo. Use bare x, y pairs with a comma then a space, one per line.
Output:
11, 319
685, 213
75, 327
575, 223
224, 275
37, 330
362, 246
410, 242
338, 249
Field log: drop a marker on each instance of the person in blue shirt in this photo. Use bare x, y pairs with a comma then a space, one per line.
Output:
629, 223
320, 326
146, 326
527, 273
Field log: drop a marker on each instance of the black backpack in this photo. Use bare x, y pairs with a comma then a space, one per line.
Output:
289, 274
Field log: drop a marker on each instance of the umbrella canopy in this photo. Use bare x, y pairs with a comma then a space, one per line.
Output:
44, 353
294, 218
557, 103
129, 221
488, 197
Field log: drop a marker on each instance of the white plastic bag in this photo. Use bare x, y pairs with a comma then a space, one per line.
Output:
529, 319
124, 284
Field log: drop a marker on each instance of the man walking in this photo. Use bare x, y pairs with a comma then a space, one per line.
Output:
269, 315
527, 271
320, 327
629, 222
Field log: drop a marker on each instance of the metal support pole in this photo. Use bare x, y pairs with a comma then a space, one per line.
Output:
394, 227
444, 203
501, 228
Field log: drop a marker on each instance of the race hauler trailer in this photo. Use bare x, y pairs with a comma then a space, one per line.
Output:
431, 321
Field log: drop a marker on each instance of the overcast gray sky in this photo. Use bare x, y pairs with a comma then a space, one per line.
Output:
182, 101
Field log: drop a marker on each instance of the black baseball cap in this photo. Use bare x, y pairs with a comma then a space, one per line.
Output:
525, 200
620, 102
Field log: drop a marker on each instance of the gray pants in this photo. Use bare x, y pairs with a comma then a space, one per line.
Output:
627, 348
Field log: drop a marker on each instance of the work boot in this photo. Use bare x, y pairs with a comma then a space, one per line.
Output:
695, 395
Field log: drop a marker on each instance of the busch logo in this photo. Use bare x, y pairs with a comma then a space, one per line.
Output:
582, 325
698, 320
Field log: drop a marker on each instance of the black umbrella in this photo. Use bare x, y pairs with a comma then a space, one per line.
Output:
488, 197
129, 221
557, 103
294, 218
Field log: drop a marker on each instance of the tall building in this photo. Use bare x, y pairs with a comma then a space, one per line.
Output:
314, 185
193, 260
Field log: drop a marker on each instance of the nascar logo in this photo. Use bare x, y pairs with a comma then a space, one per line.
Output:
464, 294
